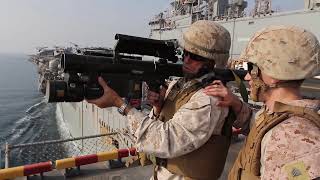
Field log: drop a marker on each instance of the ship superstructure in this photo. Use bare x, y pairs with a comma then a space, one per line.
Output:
47, 62
232, 14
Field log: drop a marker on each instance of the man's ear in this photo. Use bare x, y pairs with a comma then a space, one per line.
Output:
274, 81
268, 80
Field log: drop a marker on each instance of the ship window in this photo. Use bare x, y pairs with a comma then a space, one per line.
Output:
251, 22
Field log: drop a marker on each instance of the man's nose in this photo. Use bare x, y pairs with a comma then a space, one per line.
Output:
247, 77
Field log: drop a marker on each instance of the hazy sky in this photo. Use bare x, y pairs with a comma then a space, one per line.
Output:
27, 24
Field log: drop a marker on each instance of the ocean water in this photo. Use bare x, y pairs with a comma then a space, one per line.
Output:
24, 115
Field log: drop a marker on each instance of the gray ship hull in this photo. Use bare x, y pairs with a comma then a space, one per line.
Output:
84, 119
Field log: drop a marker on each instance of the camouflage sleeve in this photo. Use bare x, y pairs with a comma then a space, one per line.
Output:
191, 126
291, 149
244, 118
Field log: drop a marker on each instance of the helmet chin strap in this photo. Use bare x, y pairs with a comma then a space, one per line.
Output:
258, 86
258, 89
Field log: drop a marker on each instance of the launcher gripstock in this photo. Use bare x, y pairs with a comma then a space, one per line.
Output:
123, 72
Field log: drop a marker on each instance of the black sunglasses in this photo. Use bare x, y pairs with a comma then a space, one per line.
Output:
194, 56
253, 69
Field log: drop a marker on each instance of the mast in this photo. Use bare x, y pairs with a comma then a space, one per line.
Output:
235, 8
262, 7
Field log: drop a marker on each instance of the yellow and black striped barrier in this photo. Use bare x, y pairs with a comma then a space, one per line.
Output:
40, 168
26, 170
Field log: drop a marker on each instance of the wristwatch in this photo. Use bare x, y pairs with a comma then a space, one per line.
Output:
122, 108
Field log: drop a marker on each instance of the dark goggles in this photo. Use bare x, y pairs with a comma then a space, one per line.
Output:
253, 69
194, 56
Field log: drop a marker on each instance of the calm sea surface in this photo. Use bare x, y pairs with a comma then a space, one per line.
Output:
24, 116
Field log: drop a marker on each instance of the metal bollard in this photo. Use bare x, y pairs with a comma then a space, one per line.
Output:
7, 156
0, 158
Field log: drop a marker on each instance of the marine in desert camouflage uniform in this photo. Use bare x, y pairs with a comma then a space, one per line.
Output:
284, 136
185, 131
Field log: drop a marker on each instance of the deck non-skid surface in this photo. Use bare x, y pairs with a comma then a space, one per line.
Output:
99, 171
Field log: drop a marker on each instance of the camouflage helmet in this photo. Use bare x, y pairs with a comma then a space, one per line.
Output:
284, 52
208, 39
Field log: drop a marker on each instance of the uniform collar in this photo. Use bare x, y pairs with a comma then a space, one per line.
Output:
312, 104
308, 103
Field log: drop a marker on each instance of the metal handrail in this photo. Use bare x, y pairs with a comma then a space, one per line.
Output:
9, 147
60, 141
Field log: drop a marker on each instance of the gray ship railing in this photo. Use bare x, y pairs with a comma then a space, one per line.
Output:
52, 150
